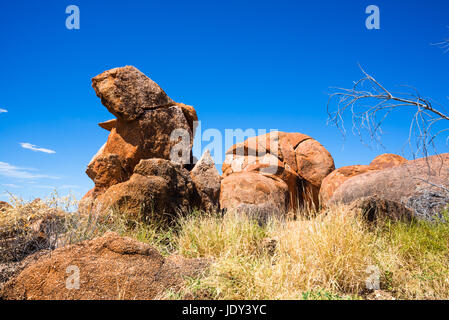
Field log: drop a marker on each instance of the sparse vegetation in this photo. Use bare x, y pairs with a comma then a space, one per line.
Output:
323, 256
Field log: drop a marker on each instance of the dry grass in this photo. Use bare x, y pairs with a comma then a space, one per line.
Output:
324, 256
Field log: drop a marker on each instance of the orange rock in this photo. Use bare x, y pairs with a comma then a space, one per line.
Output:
387, 160
127, 93
106, 171
207, 182
157, 187
190, 114
263, 195
110, 267
146, 120
314, 161
108, 125
87, 201
337, 178
298, 160
421, 185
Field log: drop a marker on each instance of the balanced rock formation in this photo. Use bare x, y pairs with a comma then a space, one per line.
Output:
336, 178
106, 268
279, 171
421, 185
207, 181
157, 186
148, 125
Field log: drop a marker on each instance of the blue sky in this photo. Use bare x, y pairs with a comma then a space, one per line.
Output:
241, 64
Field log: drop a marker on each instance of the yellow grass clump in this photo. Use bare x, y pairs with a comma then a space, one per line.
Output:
329, 256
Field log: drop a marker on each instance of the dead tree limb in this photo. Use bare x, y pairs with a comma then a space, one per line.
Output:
370, 104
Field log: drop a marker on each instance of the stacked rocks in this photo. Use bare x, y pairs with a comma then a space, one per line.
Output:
274, 173
142, 166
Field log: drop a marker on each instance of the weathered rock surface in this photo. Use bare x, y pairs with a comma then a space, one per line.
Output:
110, 267
149, 125
9, 269
127, 93
258, 195
207, 182
314, 162
157, 187
387, 160
106, 170
295, 159
374, 208
108, 125
335, 179
410, 184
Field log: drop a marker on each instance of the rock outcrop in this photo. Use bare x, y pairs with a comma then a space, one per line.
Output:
207, 182
106, 268
157, 187
148, 125
336, 178
421, 185
281, 171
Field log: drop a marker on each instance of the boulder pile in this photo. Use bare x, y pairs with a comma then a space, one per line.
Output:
274, 173
146, 170
144, 164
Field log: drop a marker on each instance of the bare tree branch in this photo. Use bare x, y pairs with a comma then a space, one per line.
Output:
370, 104
444, 45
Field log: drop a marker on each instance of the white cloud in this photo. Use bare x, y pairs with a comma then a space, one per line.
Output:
3, 110
45, 187
66, 186
69, 186
10, 185
32, 147
8, 170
